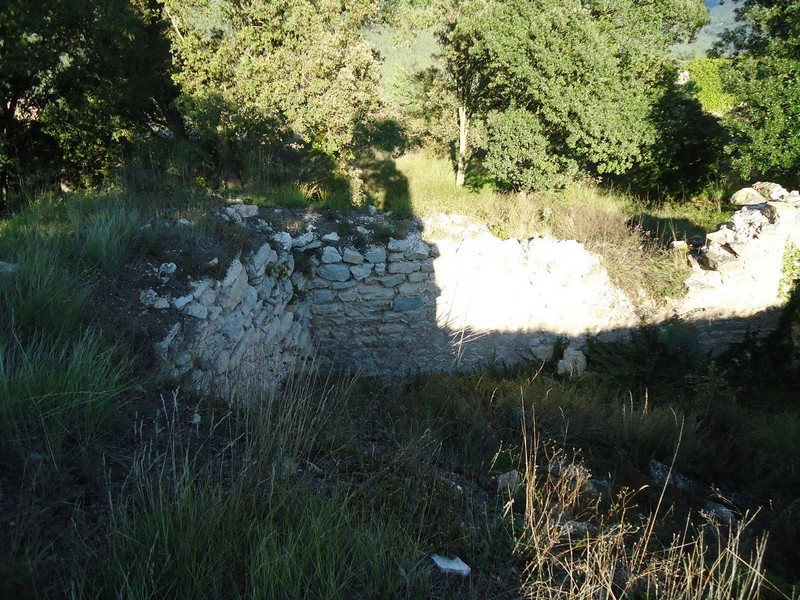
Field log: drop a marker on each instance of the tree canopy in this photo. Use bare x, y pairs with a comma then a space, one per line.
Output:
764, 76
564, 87
262, 71
76, 75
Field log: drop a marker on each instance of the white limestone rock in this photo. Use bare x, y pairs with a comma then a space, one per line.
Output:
573, 364
167, 269
454, 566
747, 196
361, 271
335, 272
283, 239
179, 303
397, 245
196, 310
303, 239
375, 254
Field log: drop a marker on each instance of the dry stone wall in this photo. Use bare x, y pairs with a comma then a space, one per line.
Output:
375, 311
464, 302
243, 327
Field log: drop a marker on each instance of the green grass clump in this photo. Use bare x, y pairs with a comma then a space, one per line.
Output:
57, 394
42, 295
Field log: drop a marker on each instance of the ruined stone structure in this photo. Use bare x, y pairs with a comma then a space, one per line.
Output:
462, 302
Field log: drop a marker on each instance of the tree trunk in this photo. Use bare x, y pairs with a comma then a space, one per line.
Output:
9, 109
463, 131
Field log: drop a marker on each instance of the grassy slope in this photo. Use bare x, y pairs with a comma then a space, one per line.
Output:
631, 237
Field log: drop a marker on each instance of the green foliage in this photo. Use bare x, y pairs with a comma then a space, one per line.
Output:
764, 76
558, 73
706, 74
41, 295
246, 73
687, 153
429, 107
521, 156
54, 395
78, 78
790, 271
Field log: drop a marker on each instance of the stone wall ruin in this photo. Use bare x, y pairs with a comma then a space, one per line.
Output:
464, 301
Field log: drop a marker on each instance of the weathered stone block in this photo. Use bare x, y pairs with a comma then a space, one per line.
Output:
326, 309
221, 362
375, 254
747, 196
393, 317
322, 296
405, 304
233, 325
258, 264
419, 289
303, 239
418, 251
196, 310
397, 245
179, 303
319, 283
375, 293
235, 269
393, 280
201, 287
352, 256
245, 210
330, 255
361, 271
262, 315
403, 267
343, 285
249, 301
348, 295
417, 277
239, 349
232, 294
335, 272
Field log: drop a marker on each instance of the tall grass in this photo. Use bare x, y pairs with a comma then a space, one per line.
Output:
54, 394
42, 295
599, 218
223, 513
614, 555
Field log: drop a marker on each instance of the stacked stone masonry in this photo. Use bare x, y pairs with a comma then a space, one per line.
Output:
464, 302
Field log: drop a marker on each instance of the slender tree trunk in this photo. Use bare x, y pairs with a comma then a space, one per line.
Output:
9, 109
463, 131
